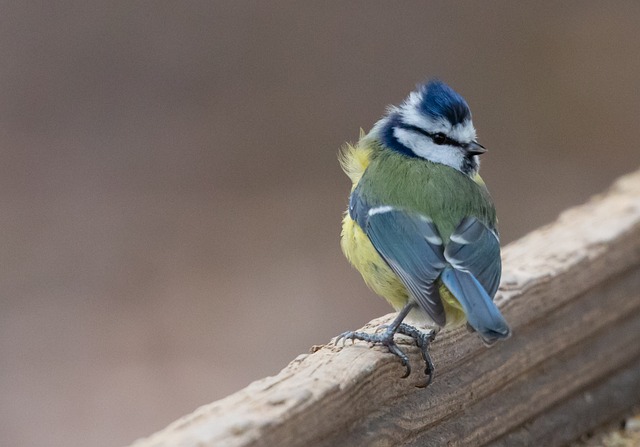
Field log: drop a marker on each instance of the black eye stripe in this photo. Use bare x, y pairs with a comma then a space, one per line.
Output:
433, 136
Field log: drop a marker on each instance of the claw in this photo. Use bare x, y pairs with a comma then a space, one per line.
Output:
423, 340
394, 349
349, 335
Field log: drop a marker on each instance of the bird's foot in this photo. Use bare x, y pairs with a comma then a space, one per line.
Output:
423, 340
384, 339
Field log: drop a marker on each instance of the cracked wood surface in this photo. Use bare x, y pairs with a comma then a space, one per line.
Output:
571, 293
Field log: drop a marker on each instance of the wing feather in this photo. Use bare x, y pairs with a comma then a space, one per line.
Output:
475, 248
412, 247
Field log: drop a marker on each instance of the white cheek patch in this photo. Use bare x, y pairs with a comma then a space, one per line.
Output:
425, 148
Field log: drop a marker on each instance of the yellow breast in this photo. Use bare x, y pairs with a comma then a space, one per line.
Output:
360, 252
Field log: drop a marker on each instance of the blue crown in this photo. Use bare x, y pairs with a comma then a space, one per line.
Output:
438, 100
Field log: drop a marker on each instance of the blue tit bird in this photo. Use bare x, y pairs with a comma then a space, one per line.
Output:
421, 225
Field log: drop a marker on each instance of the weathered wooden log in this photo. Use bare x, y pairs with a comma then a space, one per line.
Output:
571, 292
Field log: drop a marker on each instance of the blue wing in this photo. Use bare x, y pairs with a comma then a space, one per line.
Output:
473, 275
475, 248
411, 246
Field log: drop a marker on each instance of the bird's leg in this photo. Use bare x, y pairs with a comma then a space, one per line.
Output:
385, 338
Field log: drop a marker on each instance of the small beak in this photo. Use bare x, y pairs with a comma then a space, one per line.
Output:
475, 148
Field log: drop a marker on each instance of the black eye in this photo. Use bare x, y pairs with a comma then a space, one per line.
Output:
439, 138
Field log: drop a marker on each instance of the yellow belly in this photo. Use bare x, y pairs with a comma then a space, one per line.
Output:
380, 278
358, 249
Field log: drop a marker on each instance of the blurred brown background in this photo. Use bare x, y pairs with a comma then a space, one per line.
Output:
171, 198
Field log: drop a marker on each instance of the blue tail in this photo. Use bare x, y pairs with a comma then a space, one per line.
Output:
482, 313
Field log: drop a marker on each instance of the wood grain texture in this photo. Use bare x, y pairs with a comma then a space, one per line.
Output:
571, 292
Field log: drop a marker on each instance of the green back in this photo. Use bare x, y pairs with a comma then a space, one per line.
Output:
439, 192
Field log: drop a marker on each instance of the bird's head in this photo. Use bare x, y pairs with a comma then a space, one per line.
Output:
433, 123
